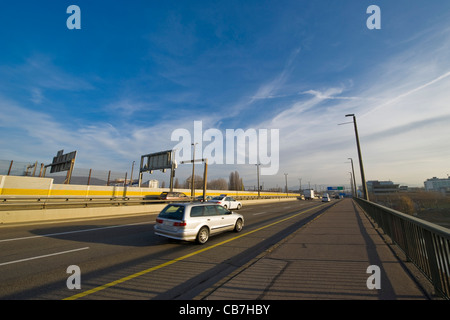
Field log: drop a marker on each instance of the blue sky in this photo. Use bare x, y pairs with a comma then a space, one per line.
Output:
138, 70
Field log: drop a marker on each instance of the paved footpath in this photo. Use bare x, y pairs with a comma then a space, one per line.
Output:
326, 259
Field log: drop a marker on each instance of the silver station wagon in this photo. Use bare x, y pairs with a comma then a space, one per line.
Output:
196, 221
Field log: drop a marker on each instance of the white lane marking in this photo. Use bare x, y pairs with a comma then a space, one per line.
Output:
44, 256
75, 231
256, 214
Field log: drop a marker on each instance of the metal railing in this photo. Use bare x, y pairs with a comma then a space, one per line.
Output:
425, 244
48, 202
24, 203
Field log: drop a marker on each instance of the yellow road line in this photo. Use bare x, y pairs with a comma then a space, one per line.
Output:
168, 263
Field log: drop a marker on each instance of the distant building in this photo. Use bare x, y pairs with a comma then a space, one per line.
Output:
382, 187
436, 184
151, 184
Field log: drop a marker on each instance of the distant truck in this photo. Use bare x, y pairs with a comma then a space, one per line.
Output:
309, 194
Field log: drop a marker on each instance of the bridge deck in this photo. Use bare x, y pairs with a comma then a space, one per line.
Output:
326, 259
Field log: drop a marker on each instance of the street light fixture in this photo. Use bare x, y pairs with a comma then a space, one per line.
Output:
363, 177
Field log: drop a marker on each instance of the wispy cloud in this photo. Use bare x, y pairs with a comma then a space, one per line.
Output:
36, 96
402, 114
270, 89
129, 107
331, 94
39, 71
404, 95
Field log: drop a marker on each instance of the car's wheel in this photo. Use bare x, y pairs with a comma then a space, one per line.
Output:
239, 225
225, 206
203, 235
239, 206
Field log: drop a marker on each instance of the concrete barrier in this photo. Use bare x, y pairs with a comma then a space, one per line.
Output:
45, 215
34, 187
55, 215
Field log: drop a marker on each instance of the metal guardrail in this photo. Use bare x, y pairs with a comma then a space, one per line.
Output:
19, 202
425, 244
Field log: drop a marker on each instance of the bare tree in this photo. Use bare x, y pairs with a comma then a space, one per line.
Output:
198, 182
218, 184
235, 182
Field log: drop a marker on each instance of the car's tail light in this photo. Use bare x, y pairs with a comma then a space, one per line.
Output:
159, 220
179, 224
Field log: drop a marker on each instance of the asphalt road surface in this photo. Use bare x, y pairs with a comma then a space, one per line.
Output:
122, 258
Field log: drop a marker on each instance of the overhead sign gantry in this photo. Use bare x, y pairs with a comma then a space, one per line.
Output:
158, 161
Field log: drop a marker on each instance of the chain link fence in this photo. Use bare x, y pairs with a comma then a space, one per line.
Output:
80, 176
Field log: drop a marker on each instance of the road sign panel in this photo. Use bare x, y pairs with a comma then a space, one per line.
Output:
156, 161
335, 188
62, 162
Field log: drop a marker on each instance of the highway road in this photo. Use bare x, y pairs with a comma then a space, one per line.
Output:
121, 258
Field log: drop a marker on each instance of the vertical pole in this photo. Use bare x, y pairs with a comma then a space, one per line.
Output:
351, 184
172, 175
257, 175
10, 166
109, 176
286, 184
193, 172
140, 171
131, 176
40, 171
363, 177
34, 170
69, 172
354, 180
205, 178
89, 178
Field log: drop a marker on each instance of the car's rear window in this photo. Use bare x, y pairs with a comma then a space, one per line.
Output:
174, 212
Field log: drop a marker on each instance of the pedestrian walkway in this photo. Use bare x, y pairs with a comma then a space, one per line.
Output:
326, 259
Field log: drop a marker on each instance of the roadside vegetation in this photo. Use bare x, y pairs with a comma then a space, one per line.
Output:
431, 206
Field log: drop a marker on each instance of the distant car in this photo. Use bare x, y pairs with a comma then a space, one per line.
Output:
173, 196
226, 202
196, 221
326, 198
200, 198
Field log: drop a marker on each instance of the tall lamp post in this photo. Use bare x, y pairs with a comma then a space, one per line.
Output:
193, 171
354, 181
257, 177
363, 177
286, 184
